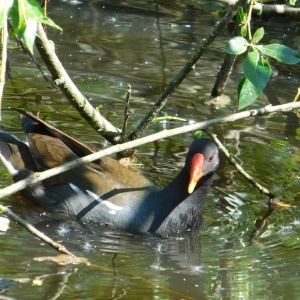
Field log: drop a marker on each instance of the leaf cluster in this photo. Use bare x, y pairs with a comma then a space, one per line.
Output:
24, 16
256, 67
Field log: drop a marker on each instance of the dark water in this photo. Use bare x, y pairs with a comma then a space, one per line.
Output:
104, 46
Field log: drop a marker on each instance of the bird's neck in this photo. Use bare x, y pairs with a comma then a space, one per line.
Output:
177, 190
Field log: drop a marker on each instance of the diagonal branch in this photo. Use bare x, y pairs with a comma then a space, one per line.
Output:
174, 83
59, 247
36, 177
238, 167
66, 85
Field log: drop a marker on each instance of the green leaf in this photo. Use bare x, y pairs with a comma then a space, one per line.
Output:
36, 13
281, 53
298, 133
247, 93
257, 70
24, 27
200, 134
236, 46
258, 35
25, 14
28, 35
240, 16
244, 30
17, 16
259, 13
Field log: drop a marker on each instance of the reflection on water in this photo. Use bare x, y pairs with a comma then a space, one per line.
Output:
104, 46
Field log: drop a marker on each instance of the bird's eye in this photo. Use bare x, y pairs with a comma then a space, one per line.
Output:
211, 158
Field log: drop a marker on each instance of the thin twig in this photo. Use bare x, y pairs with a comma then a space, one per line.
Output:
126, 113
151, 138
32, 229
249, 15
237, 166
297, 95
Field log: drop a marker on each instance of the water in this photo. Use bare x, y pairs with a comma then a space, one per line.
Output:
104, 46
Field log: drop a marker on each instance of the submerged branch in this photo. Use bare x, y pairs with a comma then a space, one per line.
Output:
174, 83
36, 177
225, 70
35, 231
223, 75
66, 85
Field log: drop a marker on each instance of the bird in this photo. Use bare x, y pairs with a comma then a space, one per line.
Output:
104, 191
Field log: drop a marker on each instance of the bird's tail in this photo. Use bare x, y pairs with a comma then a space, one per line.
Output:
15, 155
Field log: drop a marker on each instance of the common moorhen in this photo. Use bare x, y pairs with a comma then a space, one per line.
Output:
105, 191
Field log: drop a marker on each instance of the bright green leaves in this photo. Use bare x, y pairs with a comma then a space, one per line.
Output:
24, 16
282, 53
258, 35
236, 46
242, 19
256, 69
257, 73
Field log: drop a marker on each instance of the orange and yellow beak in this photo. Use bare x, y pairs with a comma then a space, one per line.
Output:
196, 171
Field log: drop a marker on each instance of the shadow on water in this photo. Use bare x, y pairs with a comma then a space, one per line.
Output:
104, 46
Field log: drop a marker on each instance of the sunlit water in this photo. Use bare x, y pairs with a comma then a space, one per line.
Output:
104, 46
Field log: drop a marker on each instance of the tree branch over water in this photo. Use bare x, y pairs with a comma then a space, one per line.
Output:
66, 85
39, 176
174, 83
237, 166
98, 122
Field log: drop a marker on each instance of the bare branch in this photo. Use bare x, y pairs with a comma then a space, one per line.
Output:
36, 177
237, 166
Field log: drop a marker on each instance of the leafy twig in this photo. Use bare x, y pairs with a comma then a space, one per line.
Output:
27, 51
